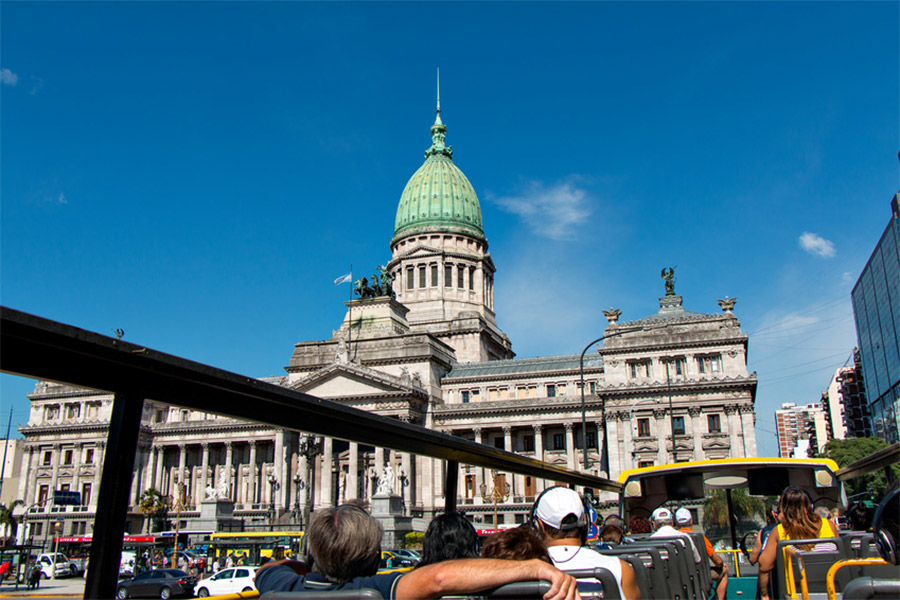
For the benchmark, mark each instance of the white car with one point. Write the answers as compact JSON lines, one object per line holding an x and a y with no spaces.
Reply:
{"x":228,"y":581}
{"x":57,"y":562}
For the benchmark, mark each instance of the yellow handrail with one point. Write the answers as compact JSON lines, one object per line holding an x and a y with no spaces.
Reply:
{"x":851,"y":562}
{"x":736,"y":553}
{"x":789,"y":585}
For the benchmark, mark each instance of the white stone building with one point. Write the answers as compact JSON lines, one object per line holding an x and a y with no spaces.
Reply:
{"x":672,"y":386}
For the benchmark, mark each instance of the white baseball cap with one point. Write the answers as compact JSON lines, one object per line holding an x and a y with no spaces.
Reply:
{"x":683,"y":516}
{"x":661,"y":514}
{"x":560,"y":508}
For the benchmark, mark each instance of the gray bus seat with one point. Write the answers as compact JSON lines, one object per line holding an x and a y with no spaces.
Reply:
{"x":816,"y":564}
{"x":867,"y":588}
{"x":654,"y":572}
{"x":360,"y":594}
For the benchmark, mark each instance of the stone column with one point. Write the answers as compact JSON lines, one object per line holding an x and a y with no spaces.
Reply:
{"x":25,"y":472}
{"x":628,"y":455}
{"x":279,"y":460}
{"x":353,"y":471}
{"x":229,"y":457}
{"x":303,"y":469}
{"x":507,"y":445}
{"x":539,"y":484}
{"x":325,"y":478}
{"x":660,"y":415}
{"x":407,"y":491}
{"x":570,"y":446}
{"x":76,"y":465}
{"x":160,"y":463}
{"x":696,"y":431}
{"x":734,"y":428}
{"x":252,"y":493}
{"x":134,"y":492}
{"x":182,"y":462}
{"x":479,"y":471}
{"x":204,"y":468}
{"x":379,"y":462}
{"x":748,"y":433}
{"x":54,"y":470}
{"x":612,"y":441}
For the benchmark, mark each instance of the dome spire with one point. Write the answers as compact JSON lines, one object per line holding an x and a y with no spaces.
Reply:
{"x":438,"y":130}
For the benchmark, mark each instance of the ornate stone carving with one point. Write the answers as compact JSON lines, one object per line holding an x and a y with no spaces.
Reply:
{"x":659,"y":413}
{"x":612,"y":315}
{"x":727,"y":304}
{"x":668,"y":274}
{"x":730,"y":409}
{"x":694,"y":411}
{"x":568,"y":427}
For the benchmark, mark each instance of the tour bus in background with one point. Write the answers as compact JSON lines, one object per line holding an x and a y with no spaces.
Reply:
{"x":250,"y":547}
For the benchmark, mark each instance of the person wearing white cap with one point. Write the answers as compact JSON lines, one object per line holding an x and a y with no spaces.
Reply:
{"x":559,"y":516}
{"x":684,"y":519}
{"x":663,"y":521}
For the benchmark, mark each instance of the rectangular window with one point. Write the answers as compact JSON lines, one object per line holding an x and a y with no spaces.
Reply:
{"x":492,"y":395}
{"x":474,"y":395}
{"x":645,"y":463}
{"x":470,"y":486}
{"x":559,"y":441}
{"x":434,"y":274}
{"x":592,"y":386}
{"x":85,"y":494}
{"x":715,"y":425}
{"x":93,"y":409}
{"x":38,"y":529}
{"x":43,"y":494}
{"x":639,"y":368}
{"x":678,"y":425}
{"x":465,"y":397}
{"x":422,"y":276}
{"x":161,"y":415}
{"x":521,"y":392}
{"x":532,"y":391}
{"x":89,"y":456}
{"x":561,"y":389}
{"x":551,"y":391}
{"x":680,"y":366}
{"x":460,"y":277}
{"x":528,"y":443}
{"x":471,"y":278}
{"x":52,"y":413}
{"x":410,"y":279}
{"x":448,"y":276}
{"x":591,"y":439}
{"x":67,"y":457}
{"x":643,"y":427}
{"x":498,"y":442}
{"x":73,"y":411}
{"x":48,"y":458}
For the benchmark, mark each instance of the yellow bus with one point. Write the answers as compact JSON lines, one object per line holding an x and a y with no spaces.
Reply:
{"x":251,"y":547}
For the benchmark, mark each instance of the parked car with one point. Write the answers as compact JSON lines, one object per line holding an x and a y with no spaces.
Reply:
{"x":190,"y":560}
{"x":390,"y":560}
{"x":229,"y":581}
{"x":56,"y":562}
{"x":126,"y":564}
{"x":407,"y":554}
{"x":159,"y":583}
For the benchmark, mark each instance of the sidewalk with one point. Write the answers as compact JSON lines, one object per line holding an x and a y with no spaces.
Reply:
{"x":70,"y":586}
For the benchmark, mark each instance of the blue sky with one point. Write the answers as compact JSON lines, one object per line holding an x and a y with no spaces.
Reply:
{"x":197,"y":174}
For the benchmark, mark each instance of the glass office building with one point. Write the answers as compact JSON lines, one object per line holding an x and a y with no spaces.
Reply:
{"x":876,"y":308}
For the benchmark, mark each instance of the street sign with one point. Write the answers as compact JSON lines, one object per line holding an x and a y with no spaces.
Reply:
{"x":66,"y":498}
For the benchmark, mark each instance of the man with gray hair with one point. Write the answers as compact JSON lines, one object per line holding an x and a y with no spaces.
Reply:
{"x":663,"y":521}
{"x":345,"y":550}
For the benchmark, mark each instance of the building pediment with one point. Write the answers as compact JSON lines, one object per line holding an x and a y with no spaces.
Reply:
{"x":345,"y":380}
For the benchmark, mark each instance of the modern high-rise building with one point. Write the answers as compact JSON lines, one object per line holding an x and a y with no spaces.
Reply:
{"x":857,"y":419}
{"x":801,"y":430}
{"x":876,"y":308}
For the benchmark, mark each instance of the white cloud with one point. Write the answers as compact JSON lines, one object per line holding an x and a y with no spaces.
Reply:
{"x":36,"y":84}
{"x":847,"y":278}
{"x":7,"y":77}
{"x":553,"y":212}
{"x":62,"y":199}
{"x":816,"y":244}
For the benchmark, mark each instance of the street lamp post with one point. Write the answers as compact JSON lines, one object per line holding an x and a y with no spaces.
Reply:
{"x":298,"y":485}
{"x":273,"y":485}
{"x":498,"y":494}
{"x":581,"y":371}
{"x":310,"y":447}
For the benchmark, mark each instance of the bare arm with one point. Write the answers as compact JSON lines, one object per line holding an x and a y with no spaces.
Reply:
{"x":629,"y":583}
{"x":718,"y":562}
{"x":767,"y":563}
{"x":476,"y":574}
{"x":753,"y":557}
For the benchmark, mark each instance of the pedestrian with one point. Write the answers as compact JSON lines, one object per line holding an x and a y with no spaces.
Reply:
{"x":36,"y":577}
{"x":4,"y":570}
{"x":28,"y":569}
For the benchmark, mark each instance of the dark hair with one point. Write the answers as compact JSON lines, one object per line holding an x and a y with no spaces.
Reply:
{"x":639,"y":524}
{"x":611,"y":534}
{"x":616,"y":521}
{"x":521,"y":543}
{"x":345,"y":542}
{"x":798,"y":516}
{"x":449,"y":536}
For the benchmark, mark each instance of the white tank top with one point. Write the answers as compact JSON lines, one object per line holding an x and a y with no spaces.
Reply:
{"x":574,"y":558}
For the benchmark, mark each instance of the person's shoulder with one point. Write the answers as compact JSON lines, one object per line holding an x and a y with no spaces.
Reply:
{"x":385,"y":583}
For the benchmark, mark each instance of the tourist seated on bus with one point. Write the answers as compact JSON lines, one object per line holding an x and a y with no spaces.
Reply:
{"x":719,"y":570}
{"x":345,"y":543}
{"x":663,"y":526}
{"x":886,"y":525}
{"x":611,"y":536}
{"x":798,"y":522}
{"x":519,"y":543}
{"x":638,"y":525}
{"x":449,"y":536}
{"x":559,"y":515}
{"x":763,"y":535}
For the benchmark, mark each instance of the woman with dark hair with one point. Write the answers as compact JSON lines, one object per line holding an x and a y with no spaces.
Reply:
{"x":798,"y":522}
{"x":521,"y":543}
{"x":449,"y":536}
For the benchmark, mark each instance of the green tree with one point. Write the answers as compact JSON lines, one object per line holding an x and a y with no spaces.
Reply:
{"x":715,"y":510}
{"x":846,"y":452}
{"x":154,"y":505}
{"x":8,"y":521}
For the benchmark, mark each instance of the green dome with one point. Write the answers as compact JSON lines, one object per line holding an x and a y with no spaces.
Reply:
{"x":438,"y":197}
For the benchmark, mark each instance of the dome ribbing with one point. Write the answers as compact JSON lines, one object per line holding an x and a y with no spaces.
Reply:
{"x":438,"y":197}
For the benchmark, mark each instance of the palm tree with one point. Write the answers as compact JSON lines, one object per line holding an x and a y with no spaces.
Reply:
{"x":8,"y":521}
{"x":715,"y":510}
{"x":153,"y":504}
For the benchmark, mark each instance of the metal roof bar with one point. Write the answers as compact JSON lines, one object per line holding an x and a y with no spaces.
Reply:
{"x":883,"y":459}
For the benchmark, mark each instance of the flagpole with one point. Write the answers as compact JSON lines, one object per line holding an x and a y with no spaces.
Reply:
{"x":350,"y":318}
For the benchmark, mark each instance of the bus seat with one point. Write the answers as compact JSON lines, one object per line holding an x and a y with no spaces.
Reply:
{"x":868,"y":549}
{"x":867,"y":588}
{"x":610,"y":587}
{"x":682,"y":558}
{"x":360,"y":594}
{"x":640,"y":574}
{"x":654,"y":568}
{"x":816,"y":564}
